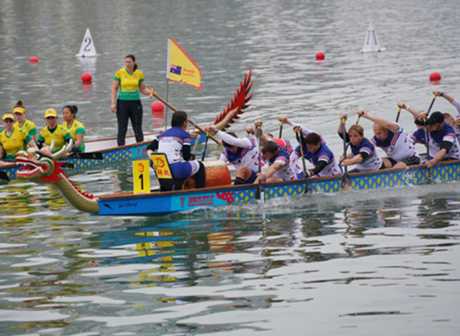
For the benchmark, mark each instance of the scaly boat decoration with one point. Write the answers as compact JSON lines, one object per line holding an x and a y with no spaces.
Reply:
{"x":105,"y":154}
{"x":219,"y":191}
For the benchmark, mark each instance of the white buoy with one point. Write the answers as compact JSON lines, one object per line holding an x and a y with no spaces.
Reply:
{"x":371,"y":43}
{"x":87,"y":48}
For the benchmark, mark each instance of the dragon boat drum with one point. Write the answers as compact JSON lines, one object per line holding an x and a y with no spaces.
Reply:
{"x":217,"y":174}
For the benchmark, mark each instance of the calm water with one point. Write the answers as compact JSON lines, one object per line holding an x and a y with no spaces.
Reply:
{"x":346,"y":264}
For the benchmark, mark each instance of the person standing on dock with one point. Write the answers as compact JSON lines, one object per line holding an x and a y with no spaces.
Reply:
{"x":392,"y":139}
{"x":127,"y":85}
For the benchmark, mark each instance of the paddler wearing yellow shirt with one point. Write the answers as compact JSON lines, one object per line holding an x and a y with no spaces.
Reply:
{"x":74,"y":127}
{"x":12,"y":139}
{"x":27,"y":126}
{"x":53,"y":133}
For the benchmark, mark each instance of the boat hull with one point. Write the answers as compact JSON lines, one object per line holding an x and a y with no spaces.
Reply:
{"x":156,"y":203}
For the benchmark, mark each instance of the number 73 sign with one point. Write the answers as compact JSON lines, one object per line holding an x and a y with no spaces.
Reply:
{"x":141,"y":176}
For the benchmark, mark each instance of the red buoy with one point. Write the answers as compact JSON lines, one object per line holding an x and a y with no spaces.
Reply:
{"x":320,"y":56}
{"x":86,"y":77}
{"x":435,"y":77}
{"x":34,"y":59}
{"x":158,"y":107}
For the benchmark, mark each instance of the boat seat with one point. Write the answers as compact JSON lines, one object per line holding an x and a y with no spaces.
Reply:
{"x":164,"y":173}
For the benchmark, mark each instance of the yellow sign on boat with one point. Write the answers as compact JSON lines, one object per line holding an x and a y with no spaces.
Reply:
{"x":141,"y":176}
{"x":161,"y":166}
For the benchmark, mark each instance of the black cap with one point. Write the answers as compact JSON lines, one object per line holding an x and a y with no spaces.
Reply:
{"x":435,"y":118}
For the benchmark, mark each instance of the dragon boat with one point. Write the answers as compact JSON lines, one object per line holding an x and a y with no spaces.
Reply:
{"x":105,"y":154}
{"x":219,"y":191}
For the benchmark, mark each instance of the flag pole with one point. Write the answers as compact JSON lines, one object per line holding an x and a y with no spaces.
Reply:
{"x":167,"y":106}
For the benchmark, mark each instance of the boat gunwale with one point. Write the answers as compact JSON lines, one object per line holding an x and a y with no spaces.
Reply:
{"x":131,"y":195}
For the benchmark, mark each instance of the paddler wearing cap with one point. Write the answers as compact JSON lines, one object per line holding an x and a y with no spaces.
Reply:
{"x":442,"y":141}
{"x":53,"y":133}
{"x":12,"y":139}
{"x":27,"y":126}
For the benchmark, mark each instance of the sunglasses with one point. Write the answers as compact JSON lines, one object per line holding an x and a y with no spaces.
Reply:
{"x":9,"y":120}
{"x":50,"y":118}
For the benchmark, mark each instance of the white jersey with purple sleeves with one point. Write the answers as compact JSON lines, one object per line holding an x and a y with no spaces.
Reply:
{"x":398,"y":146}
{"x":373,"y":161}
{"x":171,"y":142}
{"x":445,"y":134}
{"x":247,"y":154}
{"x":285,"y":173}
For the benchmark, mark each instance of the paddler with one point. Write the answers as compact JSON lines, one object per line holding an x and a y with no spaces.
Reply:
{"x":12,"y":139}
{"x":53,"y":133}
{"x":276,"y":167}
{"x":391,"y":138}
{"x":448,"y":118}
{"x":242,"y":153}
{"x":442,"y":141}
{"x":74,"y":127}
{"x":265,"y":137}
{"x":176,"y":143}
{"x":27,"y":126}
{"x":315,"y":150}
{"x":364,"y":155}
{"x":127,"y":85}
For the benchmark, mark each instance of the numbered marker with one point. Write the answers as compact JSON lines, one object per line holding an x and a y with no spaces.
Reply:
{"x":87,"y":48}
{"x":141,"y":176}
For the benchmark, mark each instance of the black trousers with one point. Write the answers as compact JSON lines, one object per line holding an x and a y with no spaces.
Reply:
{"x":129,"y":110}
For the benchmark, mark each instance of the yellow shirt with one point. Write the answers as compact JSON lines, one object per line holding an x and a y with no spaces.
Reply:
{"x":76,"y":128}
{"x":13,"y":142}
{"x":28,"y":128}
{"x":129,"y":84}
{"x":59,"y":135}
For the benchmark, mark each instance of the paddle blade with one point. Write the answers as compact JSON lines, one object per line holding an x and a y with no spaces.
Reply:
{"x":237,"y":105}
{"x":346,"y":182}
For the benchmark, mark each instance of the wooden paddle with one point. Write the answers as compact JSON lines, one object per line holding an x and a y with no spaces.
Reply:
{"x":398,"y":114}
{"x":427,"y":134}
{"x":154,"y":94}
{"x":300,"y":140}
{"x":346,"y":180}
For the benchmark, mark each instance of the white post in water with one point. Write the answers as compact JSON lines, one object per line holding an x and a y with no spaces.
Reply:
{"x":371,"y":43}
{"x":87,"y":48}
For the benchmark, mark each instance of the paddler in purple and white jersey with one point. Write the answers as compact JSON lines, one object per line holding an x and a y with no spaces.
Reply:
{"x":442,"y":141}
{"x":315,"y":150}
{"x":363,"y":153}
{"x":391,"y":138}
{"x":176,"y":143}
{"x":448,"y":118}
{"x":276,"y":167}
{"x":241,"y":153}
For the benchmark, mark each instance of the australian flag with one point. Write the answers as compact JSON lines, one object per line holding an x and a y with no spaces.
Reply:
{"x":175,"y":69}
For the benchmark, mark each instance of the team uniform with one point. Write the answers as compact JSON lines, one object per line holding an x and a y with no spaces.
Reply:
{"x":176,"y":144}
{"x":14,"y":142}
{"x":59,"y":135}
{"x":28,"y":128}
{"x":285,"y":173}
{"x":456,"y":128}
{"x":129,"y":104}
{"x":247,"y":154}
{"x":323,"y":160}
{"x":399,"y":147}
{"x":445,"y":138}
{"x":77,"y":128}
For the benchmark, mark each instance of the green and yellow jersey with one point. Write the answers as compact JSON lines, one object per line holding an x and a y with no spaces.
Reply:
{"x":13,"y":142}
{"x":129,"y":84}
{"x":28,"y":128}
{"x":59,"y":135}
{"x":77,"y":128}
